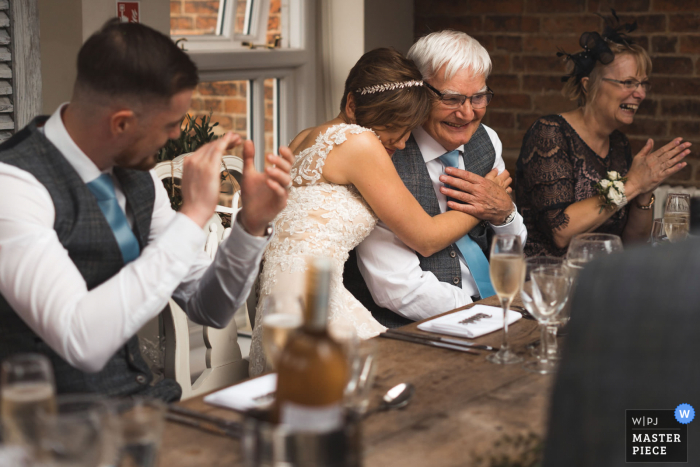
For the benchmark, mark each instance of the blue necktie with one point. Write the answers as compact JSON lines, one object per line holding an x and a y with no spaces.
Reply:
{"x":475,"y":258}
{"x":103,"y":189}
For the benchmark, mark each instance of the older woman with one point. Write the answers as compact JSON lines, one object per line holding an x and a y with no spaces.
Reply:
{"x":568,"y":162}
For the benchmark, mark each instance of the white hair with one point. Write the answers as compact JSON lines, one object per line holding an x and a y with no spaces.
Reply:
{"x":456,"y":49}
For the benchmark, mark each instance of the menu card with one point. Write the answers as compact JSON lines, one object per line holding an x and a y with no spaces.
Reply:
{"x":470,"y":323}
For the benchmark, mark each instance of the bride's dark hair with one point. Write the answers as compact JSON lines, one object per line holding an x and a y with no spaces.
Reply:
{"x":378,"y":71}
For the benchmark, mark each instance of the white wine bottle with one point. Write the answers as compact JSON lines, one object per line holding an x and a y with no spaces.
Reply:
{"x":312,"y":370}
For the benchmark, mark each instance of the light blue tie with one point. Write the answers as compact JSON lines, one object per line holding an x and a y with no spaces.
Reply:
{"x":475,"y":258}
{"x":103,"y":189}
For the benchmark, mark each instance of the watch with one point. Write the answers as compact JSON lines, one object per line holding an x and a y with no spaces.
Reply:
{"x":510,"y":217}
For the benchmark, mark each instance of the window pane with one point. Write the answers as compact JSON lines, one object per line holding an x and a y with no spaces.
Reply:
{"x":241,"y":22}
{"x":274,"y":21}
{"x":271,"y":115}
{"x":228,"y":102}
{"x":194,"y":17}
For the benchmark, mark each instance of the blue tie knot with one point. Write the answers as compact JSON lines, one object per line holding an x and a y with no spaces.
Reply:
{"x":451,"y":159}
{"x":103,"y":188}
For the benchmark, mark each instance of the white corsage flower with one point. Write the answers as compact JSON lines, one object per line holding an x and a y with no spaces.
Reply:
{"x":615,"y":196}
{"x":612,"y":191}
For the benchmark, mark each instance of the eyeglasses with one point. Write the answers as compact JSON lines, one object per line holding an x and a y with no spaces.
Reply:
{"x":631,"y":84}
{"x":477,"y":101}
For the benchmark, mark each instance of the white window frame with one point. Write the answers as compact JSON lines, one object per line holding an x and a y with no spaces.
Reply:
{"x":223,"y":58}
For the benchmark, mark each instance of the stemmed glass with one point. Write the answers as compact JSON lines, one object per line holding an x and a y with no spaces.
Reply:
{"x":550,"y":290}
{"x":282,"y":315}
{"x":549,"y":331}
{"x":658,"y":234}
{"x":507,"y":271}
{"x":677,"y":216}
{"x":586,"y":247}
{"x":75,"y":435}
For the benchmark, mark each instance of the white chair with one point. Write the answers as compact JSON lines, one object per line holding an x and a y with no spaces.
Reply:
{"x":200,"y":358}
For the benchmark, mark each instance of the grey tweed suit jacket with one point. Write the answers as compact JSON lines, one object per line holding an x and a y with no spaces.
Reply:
{"x":632,"y":344}
{"x":479,"y":157}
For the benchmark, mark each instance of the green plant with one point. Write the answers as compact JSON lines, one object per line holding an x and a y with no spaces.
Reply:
{"x":193,"y":135}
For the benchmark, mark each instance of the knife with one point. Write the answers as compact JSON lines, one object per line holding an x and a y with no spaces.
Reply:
{"x":445,"y":340}
{"x":431,"y":343}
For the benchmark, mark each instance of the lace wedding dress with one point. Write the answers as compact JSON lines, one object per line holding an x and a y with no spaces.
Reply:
{"x":321,"y":219}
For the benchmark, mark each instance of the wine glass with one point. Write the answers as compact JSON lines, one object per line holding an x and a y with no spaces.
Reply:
{"x":550,"y":290}
{"x":658,"y":234}
{"x":26,"y":387}
{"x":583,"y":249}
{"x":507,"y":271}
{"x":73,"y":435}
{"x":282,"y":315}
{"x":677,"y":216}
{"x":528,"y":302}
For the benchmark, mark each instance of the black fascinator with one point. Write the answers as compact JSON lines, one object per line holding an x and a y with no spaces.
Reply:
{"x":595,"y":47}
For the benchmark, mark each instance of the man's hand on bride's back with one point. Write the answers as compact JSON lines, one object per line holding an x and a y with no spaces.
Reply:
{"x":263,"y":194}
{"x":486,"y":198}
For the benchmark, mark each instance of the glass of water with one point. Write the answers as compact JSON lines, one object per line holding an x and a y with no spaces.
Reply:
{"x":138,"y":422}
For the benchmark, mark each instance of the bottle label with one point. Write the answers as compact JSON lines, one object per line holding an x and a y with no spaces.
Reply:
{"x":312,"y":419}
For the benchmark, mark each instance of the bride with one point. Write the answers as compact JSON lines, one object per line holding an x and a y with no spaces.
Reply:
{"x":343,"y":180}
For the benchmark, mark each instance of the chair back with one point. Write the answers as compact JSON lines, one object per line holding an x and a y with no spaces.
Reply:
{"x":202,"y":359}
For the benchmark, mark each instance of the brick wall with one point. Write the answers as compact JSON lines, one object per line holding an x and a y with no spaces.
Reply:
{"x":226,"y":99}
{"x":522,"y":37}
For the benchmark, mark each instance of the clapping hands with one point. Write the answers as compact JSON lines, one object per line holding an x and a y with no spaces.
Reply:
{"x":263,"y":195}
{"x":649,"y":169}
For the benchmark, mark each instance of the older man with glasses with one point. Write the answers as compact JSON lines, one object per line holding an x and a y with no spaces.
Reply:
{"x":453,"y":156}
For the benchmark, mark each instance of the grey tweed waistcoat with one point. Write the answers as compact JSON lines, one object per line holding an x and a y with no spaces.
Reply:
{"x":479,"y":157}
{"x":85,"y":233}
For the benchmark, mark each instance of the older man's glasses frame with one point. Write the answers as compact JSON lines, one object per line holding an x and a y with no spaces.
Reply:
{"x":477,"y":101}
{"x":631,"y":84}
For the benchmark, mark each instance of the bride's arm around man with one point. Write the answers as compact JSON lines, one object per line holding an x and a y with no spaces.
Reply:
{"x":451,"y":148}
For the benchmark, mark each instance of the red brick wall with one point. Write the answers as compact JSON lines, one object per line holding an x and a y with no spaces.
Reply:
{"x":522,"y":37}
{"x":226,"y":99}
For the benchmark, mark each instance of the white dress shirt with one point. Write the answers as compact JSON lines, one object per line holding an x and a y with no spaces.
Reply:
{"x":392,"y":270}
{"x":43,"y":285}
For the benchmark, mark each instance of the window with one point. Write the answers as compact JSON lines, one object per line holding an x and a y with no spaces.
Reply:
{"x":264,"y":94}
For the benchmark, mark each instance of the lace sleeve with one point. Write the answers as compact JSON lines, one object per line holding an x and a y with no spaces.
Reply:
{"x":548,"y":176}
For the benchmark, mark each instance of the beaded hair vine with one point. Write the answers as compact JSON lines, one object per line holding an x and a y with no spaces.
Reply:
{"x":595,"y":47}
{"x":389,"y":87}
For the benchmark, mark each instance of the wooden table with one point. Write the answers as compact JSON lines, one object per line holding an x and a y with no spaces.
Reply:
{"x":464,"y":409}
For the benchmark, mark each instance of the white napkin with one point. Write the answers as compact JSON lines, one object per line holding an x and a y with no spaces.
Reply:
{"x":450,"y":324}
{"x":246,"y":395}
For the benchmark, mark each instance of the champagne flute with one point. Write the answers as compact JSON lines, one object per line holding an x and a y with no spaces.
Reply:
{"x":282,"y":315}
{"x":26,"y":387}
{"x":550,"y":331}
{"x":550,"y":290}
{"x":507,"y":271}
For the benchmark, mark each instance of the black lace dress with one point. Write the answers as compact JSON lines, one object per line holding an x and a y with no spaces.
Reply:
{"x":556,"y":168}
